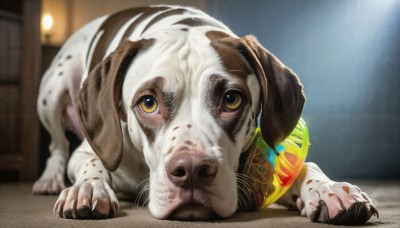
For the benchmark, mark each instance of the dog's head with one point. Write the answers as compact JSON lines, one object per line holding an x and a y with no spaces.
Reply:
{"x":190,"y":101}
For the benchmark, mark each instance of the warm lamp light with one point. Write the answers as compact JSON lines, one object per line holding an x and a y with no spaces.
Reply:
{"x":47,"y":25}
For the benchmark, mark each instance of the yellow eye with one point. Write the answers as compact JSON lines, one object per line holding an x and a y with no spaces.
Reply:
{"x":232,"y":101}
{"x":149,"y":104}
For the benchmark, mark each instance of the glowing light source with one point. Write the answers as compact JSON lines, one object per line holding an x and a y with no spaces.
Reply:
{"x":47,"y":23}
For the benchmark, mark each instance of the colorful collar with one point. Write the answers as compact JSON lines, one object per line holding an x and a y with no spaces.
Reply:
{"x":272,"y":173}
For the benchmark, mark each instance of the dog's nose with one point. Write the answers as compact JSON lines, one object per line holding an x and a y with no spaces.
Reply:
{"x":188,"y":171}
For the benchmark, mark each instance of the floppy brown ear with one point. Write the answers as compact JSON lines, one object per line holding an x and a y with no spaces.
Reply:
{"x":282,"y":97}
{"x":98,"y":103}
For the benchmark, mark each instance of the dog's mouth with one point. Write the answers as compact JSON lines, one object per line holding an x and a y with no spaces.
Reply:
{"x":193,"y":210}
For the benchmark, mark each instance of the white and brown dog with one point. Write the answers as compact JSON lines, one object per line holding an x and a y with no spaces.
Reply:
{"x":169,"y":96}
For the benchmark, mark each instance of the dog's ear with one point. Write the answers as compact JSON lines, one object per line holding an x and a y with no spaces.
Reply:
{"x":282,"y":97}
{"x":99,"y":103}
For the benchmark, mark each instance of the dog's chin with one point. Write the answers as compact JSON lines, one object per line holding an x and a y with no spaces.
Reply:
{"x":193,"y":211}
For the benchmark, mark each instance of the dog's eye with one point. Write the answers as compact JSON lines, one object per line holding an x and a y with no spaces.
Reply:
{"x":148,"y":104}
{"x":232,"y":100}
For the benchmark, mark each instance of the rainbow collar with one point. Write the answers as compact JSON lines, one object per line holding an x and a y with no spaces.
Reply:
{"x":273,"y":172}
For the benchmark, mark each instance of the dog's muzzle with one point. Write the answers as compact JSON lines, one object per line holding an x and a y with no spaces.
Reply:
{"x":192,"y":174}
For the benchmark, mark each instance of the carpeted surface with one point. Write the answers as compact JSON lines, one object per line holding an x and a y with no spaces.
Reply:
{"x":20,"y":208}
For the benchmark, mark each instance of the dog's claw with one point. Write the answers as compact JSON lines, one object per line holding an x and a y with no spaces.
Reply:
{"x":95,"y":204}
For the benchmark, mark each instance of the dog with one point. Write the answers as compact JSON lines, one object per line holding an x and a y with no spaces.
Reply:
{"x":164,"y":98}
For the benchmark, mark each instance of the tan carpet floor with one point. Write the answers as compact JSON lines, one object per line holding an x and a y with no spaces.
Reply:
{"x":20,"y":208}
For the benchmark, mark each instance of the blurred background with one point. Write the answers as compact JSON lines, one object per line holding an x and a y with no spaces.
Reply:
{"x":346,"y":52}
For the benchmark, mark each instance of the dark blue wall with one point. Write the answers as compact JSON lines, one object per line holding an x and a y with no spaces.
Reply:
{"x":347,"y":54}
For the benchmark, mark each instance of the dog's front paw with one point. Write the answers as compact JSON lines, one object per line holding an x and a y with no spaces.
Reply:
{"x":50,"y":183}
{"x":87,"y":200}
{"x":338,"y":203}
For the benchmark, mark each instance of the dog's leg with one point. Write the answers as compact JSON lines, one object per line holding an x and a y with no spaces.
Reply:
{"x":91,"y":196}
{"x":327,"y":201}
{"x":50,"y":109}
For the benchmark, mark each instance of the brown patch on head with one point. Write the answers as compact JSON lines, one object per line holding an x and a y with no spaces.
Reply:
{"x":189,"y":126}
{"x":194,"y":22}
{"x":109,"y":29}
{"x":175,"y":128}
{"x":173,"y":138}
{"x":96,"y":178}
{"x":93,"y":164}
{"x":100,"y":171}
{"x":282,"y":96}
{"x":346,"y":189}
{"x":162,"y":16}
{"x":309,"y":182}
{"x":100,"y":94}
{"x":227,"y":48}
{"x":331,"y":194}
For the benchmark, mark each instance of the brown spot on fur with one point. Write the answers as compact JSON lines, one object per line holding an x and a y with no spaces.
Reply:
{"x":93,"y":164}
{"x":60,"y":74}
{"x":68,"y":57}
{"x":85,"y":179}
{"x":85,"y":172}
{"x":100,"y":171}
{"x":331,"y":194}
{"x":94,"y":159}
{"x":346,"y":189}
{"x":309,"y":182}
{"x":311,"y":204}
{"x":310,"y":189}
{"x":170,"y":150}
{"x":189,"y":126}
{"x":173,"y":138}
{"x":175,"y":128}
{"x":96,"y":178}
{"x":44,"y":102}
{"x":188,"y":142}
{"x":323,"y":192}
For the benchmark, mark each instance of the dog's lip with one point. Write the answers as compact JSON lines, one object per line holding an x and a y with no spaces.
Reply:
{"x":192,"y":208}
